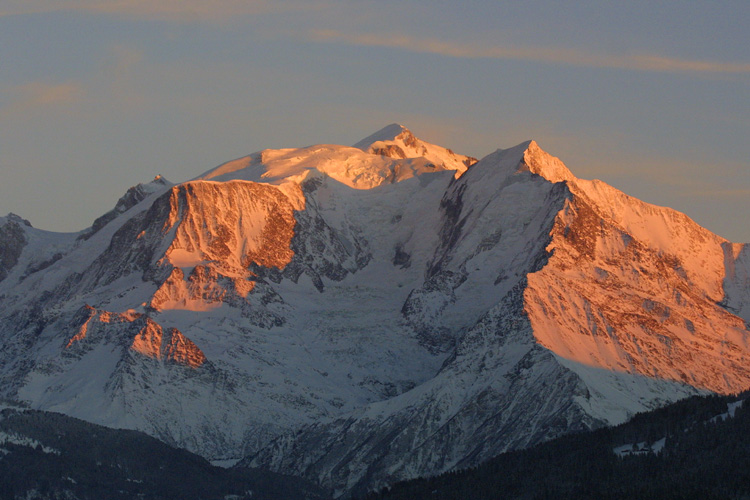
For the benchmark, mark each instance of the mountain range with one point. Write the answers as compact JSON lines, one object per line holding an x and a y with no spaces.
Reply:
{"x":360,"y":315}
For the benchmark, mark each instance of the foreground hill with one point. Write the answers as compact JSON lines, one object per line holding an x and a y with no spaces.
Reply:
{"x":695,"y":449}
{"x":47,"y":455}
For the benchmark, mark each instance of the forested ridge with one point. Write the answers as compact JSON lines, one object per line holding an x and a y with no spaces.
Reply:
{"x":703,"y":457}
{"x":46,"y":455}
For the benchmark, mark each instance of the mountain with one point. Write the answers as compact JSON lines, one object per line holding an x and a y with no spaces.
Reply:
{"x":359,"y":315}
{"x":48,"y":455}
{"x":577,"y":306}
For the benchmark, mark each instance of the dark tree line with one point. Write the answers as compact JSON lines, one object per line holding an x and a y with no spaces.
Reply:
{"x":702,"y":459}
{"x":95,"y":462}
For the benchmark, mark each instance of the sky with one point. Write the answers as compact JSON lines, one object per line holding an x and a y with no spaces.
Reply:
{"x":652,"y":97}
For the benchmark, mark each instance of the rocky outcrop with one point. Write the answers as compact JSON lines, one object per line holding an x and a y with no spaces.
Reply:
{"x":131,"y":198}
{"x":12,"y":240}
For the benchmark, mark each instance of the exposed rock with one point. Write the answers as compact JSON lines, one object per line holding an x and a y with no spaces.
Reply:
{"x":12,"y":240}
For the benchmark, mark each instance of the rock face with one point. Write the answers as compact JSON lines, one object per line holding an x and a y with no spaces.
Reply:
{"x":358,"y":315}
{"x":12,"y":241}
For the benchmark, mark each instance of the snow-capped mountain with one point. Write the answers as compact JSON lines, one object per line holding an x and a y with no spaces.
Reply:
{"x":356,"y":315}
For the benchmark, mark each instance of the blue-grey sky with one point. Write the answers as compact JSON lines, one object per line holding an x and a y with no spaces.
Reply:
{"x":651,"y":97}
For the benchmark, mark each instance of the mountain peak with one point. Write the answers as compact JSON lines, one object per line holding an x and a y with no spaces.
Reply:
{"x":397,"y":141}
{"x":386,"y":134}
{"x":538,"y":161}
{"x":17,"y":218}
{"x":524,"y":157}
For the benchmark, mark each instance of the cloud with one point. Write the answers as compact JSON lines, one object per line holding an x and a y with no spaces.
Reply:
{"x":719,"y":193}
{"x":169,"y":10}
{"x":115,"y":81}
{"x":552,"y":55}
{"x":43,"y":95}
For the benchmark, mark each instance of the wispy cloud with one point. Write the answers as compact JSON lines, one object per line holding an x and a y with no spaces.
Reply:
{"x":113,"y":82}
{"x":170,"y":10}
{"x":719,"y":193}
{"x":43,"y":95}
{"x":552,"y":55}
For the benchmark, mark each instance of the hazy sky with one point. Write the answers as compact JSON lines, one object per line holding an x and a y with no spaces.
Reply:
{"x":651,"y":97}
